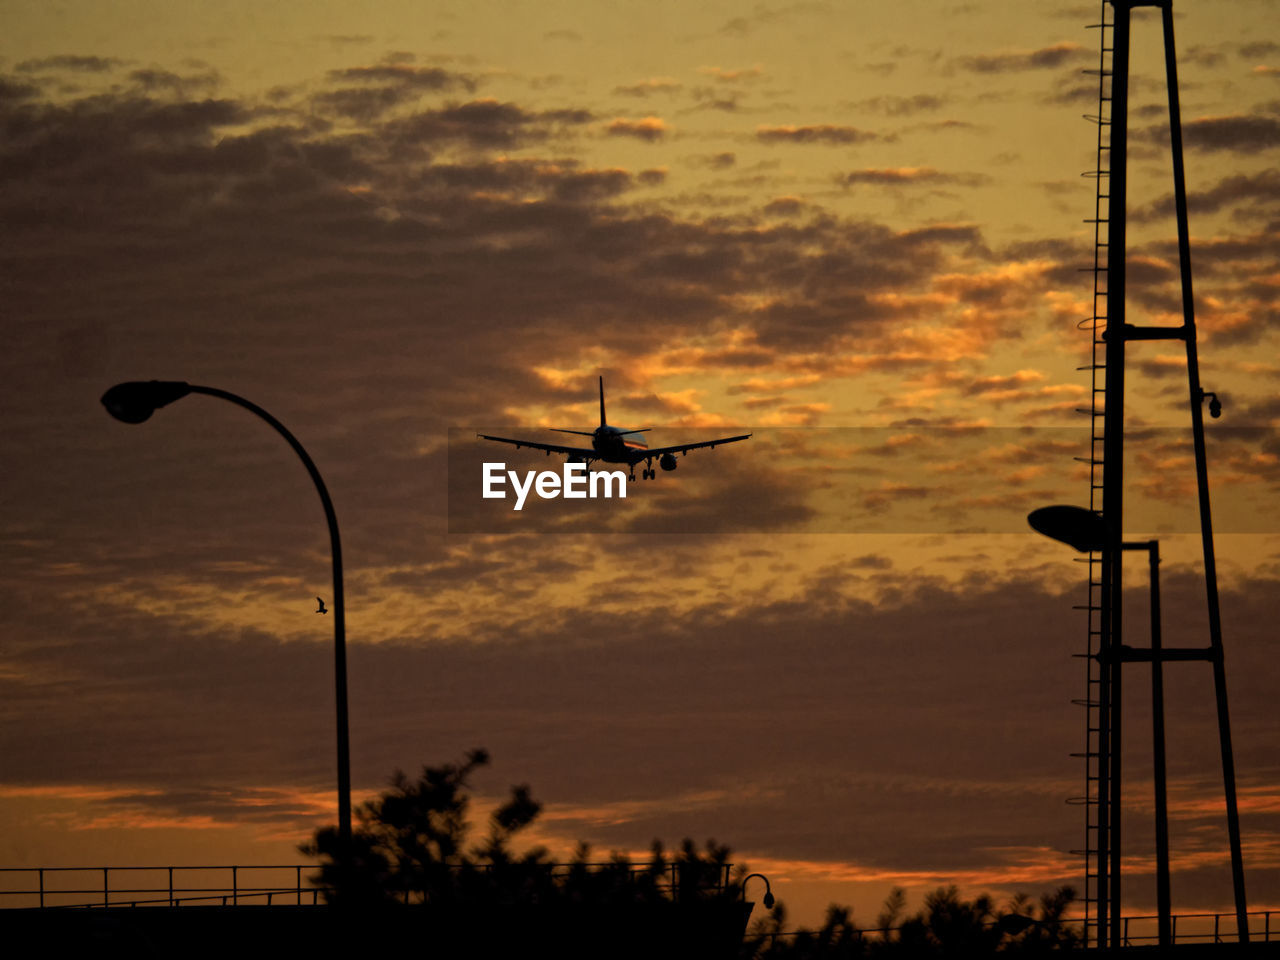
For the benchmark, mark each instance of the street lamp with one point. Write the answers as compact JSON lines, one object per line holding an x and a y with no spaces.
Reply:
{"x":1075,"y":526}
{"x":1087,"y":532}
{"x":134,"y":402}
{"x":768,"y":889}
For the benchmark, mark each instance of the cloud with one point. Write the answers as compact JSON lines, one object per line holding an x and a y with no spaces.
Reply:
{"x":904,"y":176}
{"x":717,"y":161}
{"x":483,"y":124}
{"x":1204,"y":55}
{"x":384,"y":218}
{"x":521,"y":179}
{"x":723,"y":75}
{"x":1074,"y":91}
{"x":231,"y":687}
{"x":349,"y":39}
{"x":78,"y":64}
{"x":995,"y":384}
{"x":17,"y":90}
{"x":899,"y":106}
{"x":162,"y":81}
{"x":1258,"y":48}
{"x":418,"y":78}
{"x":1017,"y":61}
{"x":1236,"y":133}
{"x":374,"y":90}
{"x":1252,"y":194}
{"x":649,"y":86}
{"x":650,"y":129}
{"x":710,"y":98}
{"x":1240,"y":133}
{"x":818,"y":133}
{"x":763,"y":16}
{"x":786,"y":206}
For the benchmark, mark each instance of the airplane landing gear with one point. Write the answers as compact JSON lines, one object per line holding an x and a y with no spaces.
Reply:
{"x":649,"y":474}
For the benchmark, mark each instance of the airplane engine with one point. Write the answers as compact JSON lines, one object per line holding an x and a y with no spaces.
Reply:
{"x":667,"y":461}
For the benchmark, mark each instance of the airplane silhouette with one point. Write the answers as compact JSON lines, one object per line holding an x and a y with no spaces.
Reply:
{"x":616,"y":445}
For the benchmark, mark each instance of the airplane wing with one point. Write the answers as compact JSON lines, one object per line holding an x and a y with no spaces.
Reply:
{"x":683,"y":448}
{"x":586,"y":453}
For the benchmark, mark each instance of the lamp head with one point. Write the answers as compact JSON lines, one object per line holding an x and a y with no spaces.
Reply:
{"x":768,"y":900}
{"x":135,"y":401}
{"x":1075,"y":526}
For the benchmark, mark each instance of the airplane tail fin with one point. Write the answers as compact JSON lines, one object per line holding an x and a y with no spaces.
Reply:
{"x":602,"y":401}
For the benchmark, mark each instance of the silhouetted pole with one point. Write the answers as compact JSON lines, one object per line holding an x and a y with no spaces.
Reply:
{"x":1202,"y":478}
{"x":134,"y":402}
{"x":1164,"y":906}
{"x":1109,"y":691}
{"x":1164,"y":922}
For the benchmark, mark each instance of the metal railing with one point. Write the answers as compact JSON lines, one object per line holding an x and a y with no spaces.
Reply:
{"x":1135,"y":931}
{"x":1201,"y":928}
{"x":274,"y":884}
{"x":156,"y":886}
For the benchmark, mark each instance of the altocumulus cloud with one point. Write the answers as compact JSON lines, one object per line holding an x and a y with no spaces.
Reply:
{"x":650,"y":129}
{"x":823,"y":133}
{"x":1016,"y":61}
{"x":904,"y":176}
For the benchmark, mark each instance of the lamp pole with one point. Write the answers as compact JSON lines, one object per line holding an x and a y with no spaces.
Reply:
{"x":1163,"y":900}
{"x":134,"y":402}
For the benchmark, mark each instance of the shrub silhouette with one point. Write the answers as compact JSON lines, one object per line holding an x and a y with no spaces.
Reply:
{"x":411,"y":845}
{"x":946,"y":926}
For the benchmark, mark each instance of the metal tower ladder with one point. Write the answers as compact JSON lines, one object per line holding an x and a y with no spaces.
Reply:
{"x":1096,"y":701}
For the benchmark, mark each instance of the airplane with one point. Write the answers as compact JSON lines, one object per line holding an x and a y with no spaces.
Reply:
{"x":615,"y":445}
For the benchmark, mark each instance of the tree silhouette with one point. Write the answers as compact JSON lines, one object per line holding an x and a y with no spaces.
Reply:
{"x":946,"y":926}
{"x":411,"y":845}
{"x":415,"y":878}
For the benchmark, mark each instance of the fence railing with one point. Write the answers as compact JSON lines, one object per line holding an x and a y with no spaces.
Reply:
{"x":156,"y":886}
{"x":270,"y":885}
{"x":1135,"y":931}
{"x":290,"y":884}
{"x":1201,"y":928}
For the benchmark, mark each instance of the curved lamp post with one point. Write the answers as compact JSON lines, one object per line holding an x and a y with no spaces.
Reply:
{"x":134,"y":402}
{"x":768,"y":889}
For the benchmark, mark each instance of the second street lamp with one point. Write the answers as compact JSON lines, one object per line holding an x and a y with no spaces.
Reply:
{"x":1086,"y":531}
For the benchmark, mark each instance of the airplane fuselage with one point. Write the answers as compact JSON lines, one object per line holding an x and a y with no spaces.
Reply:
{"x":615,"y":445}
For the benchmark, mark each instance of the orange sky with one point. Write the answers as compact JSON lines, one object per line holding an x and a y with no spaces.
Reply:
{"x":852,"y":229}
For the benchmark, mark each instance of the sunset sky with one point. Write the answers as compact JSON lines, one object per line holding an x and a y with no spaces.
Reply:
{"x":853,"y":229}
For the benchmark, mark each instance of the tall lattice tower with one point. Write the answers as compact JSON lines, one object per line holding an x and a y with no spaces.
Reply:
{"x":1105,"y":652}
